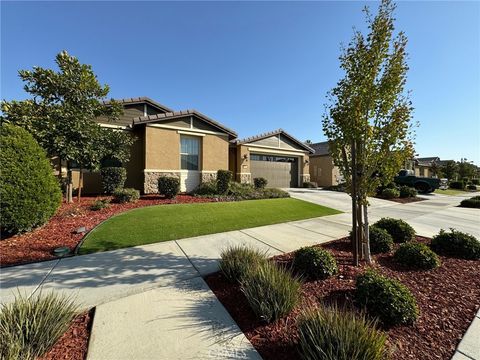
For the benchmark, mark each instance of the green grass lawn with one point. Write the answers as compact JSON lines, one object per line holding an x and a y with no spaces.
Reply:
{"x":169,"y":222}
{"x":454,"y":192}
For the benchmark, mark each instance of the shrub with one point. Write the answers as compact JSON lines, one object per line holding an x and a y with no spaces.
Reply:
{"x":236,"y":261}
{"x":398,"y":229}
{"x":310,"y":185}
{"x":29,"y":192}
{"x":169,"y":186}
{"x":260,"y":183}
{"x":126,"y":195}
{"x":457,"y":244}
{"x":271,"y":291}
{"x":388,"y":299}
{"x":457,"y":185}
{"x":416,"y":255}
{"x":475,"y":182}
{"x":100,"y":204}
{"x":339,"y":334}
{"x":390,"y":193}
{"x":223,"y":180}
{"x":274,"y":193}
{"x":30,"y":326}
{"x":380,"y":240}
{"x":471,"y":187}
{"x":243,"y":191}
{"x":113,"y":178}
{"x":407,"y":191}
{"x":207,"y":188}
{"x":470,"y":203}
{"x":315,"y":263}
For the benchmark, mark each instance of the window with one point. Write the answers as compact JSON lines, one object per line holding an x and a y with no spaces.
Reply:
{"x":189,"y":152}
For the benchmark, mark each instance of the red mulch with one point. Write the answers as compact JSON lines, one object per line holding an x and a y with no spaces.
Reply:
{"x":448,"y":298}
{"x":38,"y":245}
{"x":407,"y":200}
{"x":73,"y":345}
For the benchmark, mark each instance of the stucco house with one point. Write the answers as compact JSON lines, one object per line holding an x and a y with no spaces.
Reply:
{"x":322,"y":169}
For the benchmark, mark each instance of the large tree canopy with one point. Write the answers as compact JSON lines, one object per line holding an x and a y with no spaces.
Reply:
{"x":60,"y":114}
{"x":368,"y":117}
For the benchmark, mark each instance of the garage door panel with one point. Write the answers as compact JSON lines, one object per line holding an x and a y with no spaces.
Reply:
{"x":278,"y":173}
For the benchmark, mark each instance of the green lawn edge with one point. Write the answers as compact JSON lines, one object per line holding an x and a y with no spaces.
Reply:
{"x":159,"y":223}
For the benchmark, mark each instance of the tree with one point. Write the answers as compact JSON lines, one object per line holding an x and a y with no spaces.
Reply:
{"x":60,"y":114}
{"x":466,"y":169}
{"x":450,"y":169}
{"x":435,"y":169}
{"x":368,"y":117}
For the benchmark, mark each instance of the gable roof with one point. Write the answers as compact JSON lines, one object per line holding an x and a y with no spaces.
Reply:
{"x":140,"y":100}
{"x":274,"y":133}
{"x":321,"y":148}
{"x":157,"y":118}
{"x":427,"y":161}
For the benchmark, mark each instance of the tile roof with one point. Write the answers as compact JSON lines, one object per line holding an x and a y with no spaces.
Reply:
{"x":140,"y":100}
{"x":178,"y":114}
{"x":273,"y":133}
{"x":321,"y":148}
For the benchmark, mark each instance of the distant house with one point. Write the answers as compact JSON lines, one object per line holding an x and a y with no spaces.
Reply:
{"x":424,"y":166}
{"x":322,"y":169}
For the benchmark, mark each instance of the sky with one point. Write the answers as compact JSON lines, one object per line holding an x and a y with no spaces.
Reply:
{"x":255,"y":66}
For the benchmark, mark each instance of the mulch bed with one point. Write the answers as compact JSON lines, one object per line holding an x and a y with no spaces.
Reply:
{"x":39,"y":244}
{"x":73,"y":345}
{"x":448,"y":298}
{"x":406,"y":200}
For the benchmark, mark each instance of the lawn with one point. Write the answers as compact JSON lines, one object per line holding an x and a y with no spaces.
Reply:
{"x":453,"y":192}
{"x":169,"y":222}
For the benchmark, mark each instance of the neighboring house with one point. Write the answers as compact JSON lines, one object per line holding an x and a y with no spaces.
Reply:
{"x":423,"y":166}
{"x":276,"y":156}
{"x":186,"y":144}
{"x":322,"y":169}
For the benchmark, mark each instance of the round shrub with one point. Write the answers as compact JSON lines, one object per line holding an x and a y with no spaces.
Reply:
{"x":399,"y":230}
{"x":29,"y":191}
{"x":223,"y":180}
{"x":271,"y":291}
{"x":390,"y":193}
{"x":470,"y":203}
{"x":274,"y":193}
{"x":385,"y":298}
{"x":100,"y":204}
{"x":457,"y":244}
{"x":407,"y":191}
{"x":207,"y":188}
{"x":260,"y":183}
{"x":380,"y":240}
{"x":459,"y":185}
{"x":113,"y":178}
{"x":416,"y":255}
{"x":315,"y":263}
{"x":236,"y":261}
{"x":126,"y":195}
{"x":340,"y":334}
{"x":169,"y":186}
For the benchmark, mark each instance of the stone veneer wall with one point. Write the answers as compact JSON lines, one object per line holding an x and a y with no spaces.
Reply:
{"x":304,"y":178}
{"x":244,"y":178}
{"x":150,"y":184}
{"x":208,"y":176}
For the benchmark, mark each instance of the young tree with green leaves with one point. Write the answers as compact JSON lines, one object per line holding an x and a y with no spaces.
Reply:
{"x":450,"y":169}
{"x":60,"y":114}
{"x":368,"y":117}
{"x":435,"y":169}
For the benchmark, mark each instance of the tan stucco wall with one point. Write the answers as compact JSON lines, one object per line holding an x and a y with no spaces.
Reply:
{"x":323,"y":171}
{"x":214,"y":153}
{"x":243,"y":165}
{"x":162,"y":149}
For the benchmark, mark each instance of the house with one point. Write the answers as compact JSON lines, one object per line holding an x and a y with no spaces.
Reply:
{"x":425,"y":166}
{"x":276,"y":156}
{"x":191,"y":146}
{"x":322,"y":169}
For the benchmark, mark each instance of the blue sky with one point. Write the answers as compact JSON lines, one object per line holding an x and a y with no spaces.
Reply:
{"x":254,"y":66}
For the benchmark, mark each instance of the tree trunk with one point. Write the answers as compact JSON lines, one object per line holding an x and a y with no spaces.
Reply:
{"x":354,"y":206}
{"x":69,"y":186}
{"x":80,"y":185}
{"x":368,"y":256}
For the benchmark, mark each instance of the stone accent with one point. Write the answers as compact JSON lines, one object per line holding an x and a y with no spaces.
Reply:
{"x":245,"y":178}
{"x":208,"y":176}
{"x":305,"y":178}
{"x":150,"y":184}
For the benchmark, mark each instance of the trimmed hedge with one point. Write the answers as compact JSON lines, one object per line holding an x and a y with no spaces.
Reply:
{"x":223,"y":180}
{"x":459,"y":185}
{"x":457,"y":244}
{"x":407,"y":191}
{"x":274,"y":193}
{"x":207,"y":188}
{"x":473,"y":202}
{"x":169,"y":186}
{"x":29,"y":191}
{"x":416,"y":255}
{"x":380,"y":240}
{"x":399,"y":230}
{"x":339,"y":334}
{"x":126,"y":195}
{"x":113,"y":178}
{"x":315,"y":263}
{"x":390,"y":193}
{"x":260,"y":183}
{"x":385,"y":298}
